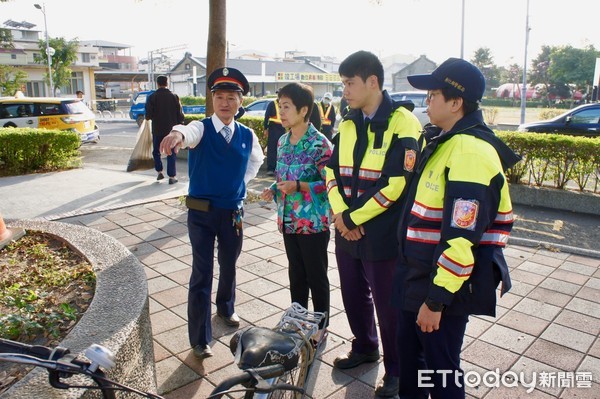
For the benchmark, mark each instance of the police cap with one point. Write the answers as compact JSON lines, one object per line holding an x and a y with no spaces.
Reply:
{"x":228,"y":79}
{"x":464,"y":78}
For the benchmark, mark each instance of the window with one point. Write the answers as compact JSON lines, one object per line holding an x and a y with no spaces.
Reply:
{"x":35,"y":89}
{"x":187,"y":67}
{"x":13,"y":56}
{"x":85,"y":57}
{"x":588,"y":116}
{"x":75,"y":83}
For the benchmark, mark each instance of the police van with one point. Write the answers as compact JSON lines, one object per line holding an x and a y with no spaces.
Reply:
{"x":50,"y":113}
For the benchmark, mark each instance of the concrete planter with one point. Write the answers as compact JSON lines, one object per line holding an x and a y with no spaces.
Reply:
{"x":117,"y":318}
{"x":574,"y":201}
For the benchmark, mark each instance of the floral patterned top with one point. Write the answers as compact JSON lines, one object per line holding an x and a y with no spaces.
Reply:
{"x":304,"y":212}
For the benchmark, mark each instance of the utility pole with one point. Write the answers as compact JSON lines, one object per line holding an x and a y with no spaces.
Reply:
{"x":151,"y":60}
{"x":49,"y":50}
{"x":524,"y":87}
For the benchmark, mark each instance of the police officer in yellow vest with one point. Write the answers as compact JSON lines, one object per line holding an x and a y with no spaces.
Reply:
{"x":327,"y":114}
{"x":456,"y":220}
{"x":374,"y":156}
{"x":273,"y":130}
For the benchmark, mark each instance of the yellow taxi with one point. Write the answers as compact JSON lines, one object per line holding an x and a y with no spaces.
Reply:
{"x":50,"y":113}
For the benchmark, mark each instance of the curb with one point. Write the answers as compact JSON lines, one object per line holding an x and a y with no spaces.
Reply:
{"x":526,"y":242}
{"x":554,"y":198}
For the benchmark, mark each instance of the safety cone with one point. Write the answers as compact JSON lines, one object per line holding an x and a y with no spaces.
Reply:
{"x":8,"y":235}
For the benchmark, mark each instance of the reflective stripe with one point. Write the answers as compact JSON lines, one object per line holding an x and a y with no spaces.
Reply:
{"x":331,"y":184}
{"x":346,"y":170}
{"x":504,"y":217}
{"x":426,"y":213}
{"x":347,"y":191}
{"x":276,"y":118}
{"x":368,"y":174}
{"x":494,"y":237}
{"x":429,"y":236}
{"x":382,"y":200}
{"x":455,"y":268}
{"x":325,"y":117}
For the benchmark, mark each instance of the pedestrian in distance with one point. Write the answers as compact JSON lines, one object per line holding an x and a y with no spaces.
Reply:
{"x":224,"y":156}
{"x":327,"y":114}
{"x":373,"y":158}
{"x":303,"y":210}
{"x":164,"y":109}
{"x":457,"y":218}
{"x":273,"y":131}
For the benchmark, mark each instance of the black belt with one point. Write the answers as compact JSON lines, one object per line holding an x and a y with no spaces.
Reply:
{"x":197,"y":204}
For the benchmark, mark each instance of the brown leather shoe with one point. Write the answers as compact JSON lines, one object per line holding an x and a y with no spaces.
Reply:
{"x":353,"y":359}
{"x":231,"y":321}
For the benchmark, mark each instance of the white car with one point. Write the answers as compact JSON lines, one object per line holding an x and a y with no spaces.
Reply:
{"x":257,"y":108}
{"x":418,"y":98}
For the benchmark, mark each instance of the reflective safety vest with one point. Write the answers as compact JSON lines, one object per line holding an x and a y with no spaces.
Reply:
{"x":367,"y":174}
{"x":457,"y":218}
{"x":276,"y":118}
{"x":325,"y":121}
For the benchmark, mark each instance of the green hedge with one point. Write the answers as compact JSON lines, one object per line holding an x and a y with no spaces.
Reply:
{"x":26,"y":150}
{"x":554,"y":158}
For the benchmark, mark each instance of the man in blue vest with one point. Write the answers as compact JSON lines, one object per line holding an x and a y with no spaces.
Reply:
{"x":224,"y":155}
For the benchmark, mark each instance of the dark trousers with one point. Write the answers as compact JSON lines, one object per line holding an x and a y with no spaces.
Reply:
{"x":275,"y":132}
{"x":439,"y":350}
{"x":203,"y":228}
{"x":171,"y":159}
{"x":307,"y":257}
{"x":366,"y":289}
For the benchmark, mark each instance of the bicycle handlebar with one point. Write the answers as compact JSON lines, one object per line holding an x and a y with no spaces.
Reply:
{"x":61,"y":364}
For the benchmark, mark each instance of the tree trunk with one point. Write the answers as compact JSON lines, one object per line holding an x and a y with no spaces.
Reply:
{"x":217,"y":43}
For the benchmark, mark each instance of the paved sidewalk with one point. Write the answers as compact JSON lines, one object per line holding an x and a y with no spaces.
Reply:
{"x":548,"y":323}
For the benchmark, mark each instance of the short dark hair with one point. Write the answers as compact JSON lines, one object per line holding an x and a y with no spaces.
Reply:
{"x":78,"y":92}
{"x":450,"y":93}
{"x":301,"y":95}
{"x":363,"y":64}
{"x":161,"y":80}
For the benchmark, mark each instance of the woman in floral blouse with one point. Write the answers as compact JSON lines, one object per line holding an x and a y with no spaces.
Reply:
{"x":303,"y":212}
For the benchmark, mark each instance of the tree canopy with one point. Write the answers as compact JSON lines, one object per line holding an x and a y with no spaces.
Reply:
{"x":65,"y":54}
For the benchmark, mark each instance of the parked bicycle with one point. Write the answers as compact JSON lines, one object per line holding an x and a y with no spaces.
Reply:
{"x":275,"y":363}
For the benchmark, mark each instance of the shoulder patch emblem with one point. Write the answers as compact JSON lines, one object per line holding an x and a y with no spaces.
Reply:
{"x":464,"y":213}
{"x":410,"y":158}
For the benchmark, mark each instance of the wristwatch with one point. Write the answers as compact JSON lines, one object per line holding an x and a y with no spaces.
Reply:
{"x":434,"y":306}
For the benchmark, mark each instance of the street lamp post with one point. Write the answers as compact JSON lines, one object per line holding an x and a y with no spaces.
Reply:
{"x":49,"y":53}
{"x":524,"y":85}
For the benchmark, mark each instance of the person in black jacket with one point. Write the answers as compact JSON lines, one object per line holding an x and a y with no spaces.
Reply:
{"x":273,"y":130}
{"x":164,"y":110}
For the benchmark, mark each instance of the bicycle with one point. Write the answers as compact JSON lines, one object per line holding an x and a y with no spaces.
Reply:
{"x":275,"y":362}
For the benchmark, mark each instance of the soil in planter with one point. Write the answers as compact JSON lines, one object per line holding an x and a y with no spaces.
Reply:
{"x":45,"y":288}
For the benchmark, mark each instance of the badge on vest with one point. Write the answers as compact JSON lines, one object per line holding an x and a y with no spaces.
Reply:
{"x":464,"y":213}
{"x":410,"y":158}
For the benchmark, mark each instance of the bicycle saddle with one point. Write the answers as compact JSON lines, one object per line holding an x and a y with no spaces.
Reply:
{"x":258,"y":346}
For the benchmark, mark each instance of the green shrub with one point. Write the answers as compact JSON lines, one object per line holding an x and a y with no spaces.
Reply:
{"x":26,"y":150}
{"x":553,"y":157}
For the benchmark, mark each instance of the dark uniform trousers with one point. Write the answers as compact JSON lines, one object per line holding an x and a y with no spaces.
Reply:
{"x":434,"y":352}
{"x":275,"y":131}
{"x":171,"y":159}
{"x":367,"y":288}
{"x":203,"y":228}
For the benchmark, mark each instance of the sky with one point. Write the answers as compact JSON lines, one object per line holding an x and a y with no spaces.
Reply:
{"x":324,"y":27}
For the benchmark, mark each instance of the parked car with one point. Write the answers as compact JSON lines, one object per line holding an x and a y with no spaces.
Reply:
{"x":137,"y":111}
{"x":583,"y":120}
{"x":257,"y":108}
{"x":418,"y":98}
{"x":50,"y":113}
